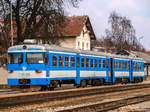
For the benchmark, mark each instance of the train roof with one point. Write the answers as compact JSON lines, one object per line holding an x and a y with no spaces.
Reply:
{"x":55,"y":48}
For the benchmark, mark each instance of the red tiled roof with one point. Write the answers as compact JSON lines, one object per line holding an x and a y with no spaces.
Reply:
{"x":73,"y":26}
{"x":148,"y":52}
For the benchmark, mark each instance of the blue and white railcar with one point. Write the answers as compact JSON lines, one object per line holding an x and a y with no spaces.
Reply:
{"x":46,"y":67}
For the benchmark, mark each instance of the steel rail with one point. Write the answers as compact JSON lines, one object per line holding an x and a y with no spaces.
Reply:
{"x":32,"y":98}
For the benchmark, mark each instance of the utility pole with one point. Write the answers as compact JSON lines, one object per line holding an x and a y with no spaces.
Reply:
{"x":11,"y":21}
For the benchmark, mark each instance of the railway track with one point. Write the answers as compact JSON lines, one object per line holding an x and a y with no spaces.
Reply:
{"x":39,"y":97}
{"x":106,"y":106}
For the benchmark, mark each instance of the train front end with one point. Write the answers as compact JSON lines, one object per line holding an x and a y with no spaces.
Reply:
{"x":26,"y":67}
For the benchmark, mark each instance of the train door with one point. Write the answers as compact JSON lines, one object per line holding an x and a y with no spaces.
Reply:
{"x":78,"y":70}
{"x":47,"y":65}
{"x":131,"y":70}
{"x":111,"y":69}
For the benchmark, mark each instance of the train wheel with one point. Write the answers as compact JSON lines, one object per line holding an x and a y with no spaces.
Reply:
{"x":43,"y":88}
{"x":83,"y":83}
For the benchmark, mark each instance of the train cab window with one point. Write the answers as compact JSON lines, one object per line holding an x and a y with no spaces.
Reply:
{"x":87,"y":62}
{"x":78,"y":62}
{"x":92,"y":61}
{"x":35,"y":58}
{"x":54,"y":61}
{"x":72,"y":62}
{"x":82,"y":62}
{"x":104,"y":63}
{"x":15,"y":58}
{"x":66,"y":61}
{"x":96,"y":63}
{"x":100,"y":63}
{"x":61,"y":61}
{"x":116,"y":64}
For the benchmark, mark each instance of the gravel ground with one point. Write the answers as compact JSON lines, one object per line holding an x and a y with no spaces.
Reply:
{"x":75,"y":102}
{"x":3,"y":76}
{"x":140,"y":107}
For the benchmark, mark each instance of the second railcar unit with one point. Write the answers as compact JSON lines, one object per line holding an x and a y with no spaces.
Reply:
{"x":47,"y":66}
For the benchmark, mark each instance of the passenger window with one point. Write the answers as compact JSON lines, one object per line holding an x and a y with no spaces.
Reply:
{"x":100,"y":63}
{"x":61,"y":61}
{"x":87,"y":62}
{"x":78,"y":61}
{"x":54,"y":61}
{"x":123,"y":65}
{"x":96,"y":63}
{"x":104,"y":63}
{"x":126,"y":65}
{"x":82,"y":61}
{"x":72,"y":62}
{"x":136,"y":66}
{"x":92,"y":63}
{"x":120,"y":64}
{"x":107,"y":63}
{"x":66,"y":61}
{"x":114,"y":64}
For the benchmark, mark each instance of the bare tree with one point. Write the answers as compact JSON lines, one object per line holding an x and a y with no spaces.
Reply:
{"x":122,"y":34}
{"x":30,"y":15}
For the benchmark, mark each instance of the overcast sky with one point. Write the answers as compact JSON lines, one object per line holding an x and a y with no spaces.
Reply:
{"x":138,"y":11}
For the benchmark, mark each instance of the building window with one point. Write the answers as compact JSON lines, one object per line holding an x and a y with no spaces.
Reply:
{"x":78,"y":44}
{"x":82,"y":45}
{"x":87,"y":45}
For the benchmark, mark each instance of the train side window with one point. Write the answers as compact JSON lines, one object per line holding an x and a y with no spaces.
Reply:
{"x":61,"y":61}
{"x":92,"y":63}
{"x":123,"y":67}
{"x":78,"y":61}
{"x":66,"y":61}
{"x":54,"y":61}
{"x":126,"y":65}
{"x":104,"y":64}
{"x":114,"y":64}
{"x":120,"y":64}
{"x":87,"y":62}
{"x":96,"y":63}
{"x":100,"y":63}
{"x":107,"y":63}
{"x":72,"y":62}
{"x":140,"y":66}
{"x":82,"y":62}
{"x":136,"y":66}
